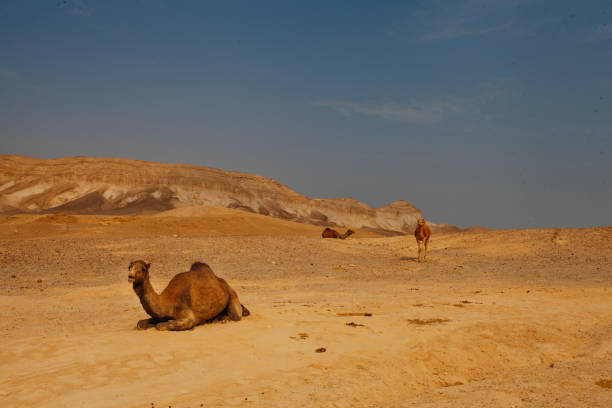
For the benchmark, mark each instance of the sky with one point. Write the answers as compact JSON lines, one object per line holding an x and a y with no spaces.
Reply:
{"x":495,"y":113}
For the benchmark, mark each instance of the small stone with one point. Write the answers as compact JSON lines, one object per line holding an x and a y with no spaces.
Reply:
{"x":321,"y":350}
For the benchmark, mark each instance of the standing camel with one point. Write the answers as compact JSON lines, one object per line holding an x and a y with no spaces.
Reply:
{"x":422,"y":234}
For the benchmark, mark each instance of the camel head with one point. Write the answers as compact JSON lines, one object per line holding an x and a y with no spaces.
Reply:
{"x":349,"y":232}
{"x":138,"y":271}
{"x":421,"y":221}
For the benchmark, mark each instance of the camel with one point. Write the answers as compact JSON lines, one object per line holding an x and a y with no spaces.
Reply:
{"x":330,"y":233}
{"x":191,"y":298}
{"x":422,"y":234}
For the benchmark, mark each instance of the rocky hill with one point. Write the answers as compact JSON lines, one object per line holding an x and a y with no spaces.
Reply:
{"x":84,"y":185}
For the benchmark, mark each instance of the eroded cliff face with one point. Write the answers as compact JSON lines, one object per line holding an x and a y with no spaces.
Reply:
{"x":94,"y":185}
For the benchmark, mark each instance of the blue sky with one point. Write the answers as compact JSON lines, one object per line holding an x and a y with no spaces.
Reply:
{"x":496,"y":113}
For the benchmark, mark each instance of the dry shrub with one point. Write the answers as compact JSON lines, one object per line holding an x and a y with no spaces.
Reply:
{"x":423,"y":322}
{"x":604,"y":383}
{"x":58,"y":218}
{"x":455,"y":384}
{"x":355,"y":314}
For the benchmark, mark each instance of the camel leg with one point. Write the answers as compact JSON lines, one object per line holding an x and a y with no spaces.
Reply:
{"x":419,"y":255}
{"x":234,"y":308}
{"x":425,"y":245}
{"x":224,"y":315}
{"x":221,"y":317}
{"x":177,"y":325}
{"x":147,"y":323}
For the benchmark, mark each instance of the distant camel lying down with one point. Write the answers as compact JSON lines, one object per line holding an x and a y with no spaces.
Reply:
{"x":191,"y":298}
{"x":422,"y":234}
{"x":330,"y":233}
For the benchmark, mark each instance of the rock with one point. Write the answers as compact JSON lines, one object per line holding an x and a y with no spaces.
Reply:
{"x":84,"y":185}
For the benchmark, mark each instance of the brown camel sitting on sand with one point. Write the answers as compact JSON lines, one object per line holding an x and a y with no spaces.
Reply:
{"x":330,"y":233}
{"x":190,"y":298}
{"x":422,"y":234}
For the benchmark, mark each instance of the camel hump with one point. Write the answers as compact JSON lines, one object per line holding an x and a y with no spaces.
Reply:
{"x":198,"y":266}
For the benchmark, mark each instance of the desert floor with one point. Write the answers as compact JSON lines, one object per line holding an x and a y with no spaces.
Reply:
{"x":492,"y":319}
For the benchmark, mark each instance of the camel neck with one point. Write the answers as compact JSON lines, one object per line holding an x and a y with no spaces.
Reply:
{"x":150,"y":300}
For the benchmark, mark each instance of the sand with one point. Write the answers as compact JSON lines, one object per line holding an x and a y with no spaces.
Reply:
{"x":494,"y":318}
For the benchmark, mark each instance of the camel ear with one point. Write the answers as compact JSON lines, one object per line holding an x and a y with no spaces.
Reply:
{"x":148,"y":265}
{"x":131,"y":263}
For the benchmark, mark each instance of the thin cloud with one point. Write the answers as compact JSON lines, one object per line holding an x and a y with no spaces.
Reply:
{"x":444,"y":21}
{"x":78,"y":8}
{"x":8,"y":74}
{"x":410,"y":113}
{"x":441,"y":21}
{"x":17,"y":79}
{"x":458,"y":32}
{"x":603,"y":31}
{"x":484,"y":99}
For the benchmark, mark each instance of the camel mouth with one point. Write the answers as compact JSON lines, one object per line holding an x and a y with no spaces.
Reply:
{"x":131,"y":279}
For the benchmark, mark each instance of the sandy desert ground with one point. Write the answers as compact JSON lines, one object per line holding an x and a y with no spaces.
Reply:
{"x":493,"y":319}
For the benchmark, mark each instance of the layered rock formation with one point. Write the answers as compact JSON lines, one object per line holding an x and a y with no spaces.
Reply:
{"x":92,"y":185}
